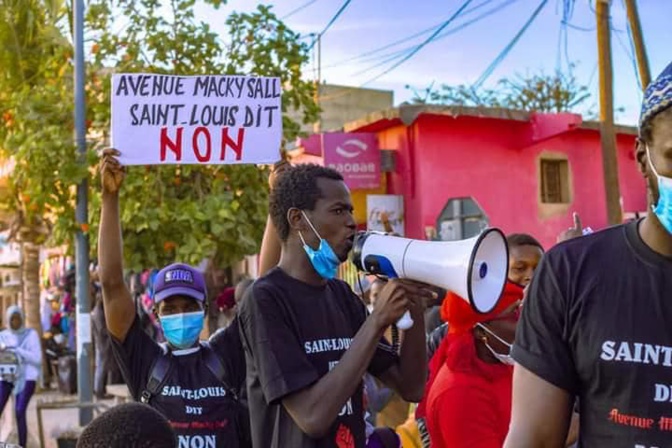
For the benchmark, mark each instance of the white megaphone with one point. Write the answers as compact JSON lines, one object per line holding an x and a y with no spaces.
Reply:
{"x":475,"y":269}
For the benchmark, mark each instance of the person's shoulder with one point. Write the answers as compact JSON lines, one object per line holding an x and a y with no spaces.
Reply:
{"x":264,"y":292}
{"x":225,"y":335}
{"x":32,"y":333}
{"x":271,"y":280}
{"x":597,"y":245}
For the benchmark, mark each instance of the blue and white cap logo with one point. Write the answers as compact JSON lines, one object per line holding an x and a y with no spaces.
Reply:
{"x":179,"y":275}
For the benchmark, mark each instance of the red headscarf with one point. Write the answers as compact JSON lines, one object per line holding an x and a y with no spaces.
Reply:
{"x":461,"y":319}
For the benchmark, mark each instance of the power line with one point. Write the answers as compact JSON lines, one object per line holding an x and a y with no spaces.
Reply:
{"x":630,"y":54}
{"x":296,"y":10}
{"x":423,"y":44}
{"x":331,"y":22}
{"x":498,"y":60}
{"x":392,"y":56}
{"x":405,"y":39}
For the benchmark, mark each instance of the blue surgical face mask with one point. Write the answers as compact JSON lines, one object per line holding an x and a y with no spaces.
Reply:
{"x":324,"y":260}
{"x":182,"y":330}
{"x":663,"y":208}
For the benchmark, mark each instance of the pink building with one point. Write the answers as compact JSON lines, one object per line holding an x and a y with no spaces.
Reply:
{"x":459,"y":169}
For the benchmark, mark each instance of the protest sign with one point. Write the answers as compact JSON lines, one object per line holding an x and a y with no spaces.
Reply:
{"x":164,"y":119}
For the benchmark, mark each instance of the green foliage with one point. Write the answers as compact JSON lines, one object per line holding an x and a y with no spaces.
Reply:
{"x":188,"y":213}
{"x":36,"y":105}
{"x":169,"y":212}
{"x":558,"y":92}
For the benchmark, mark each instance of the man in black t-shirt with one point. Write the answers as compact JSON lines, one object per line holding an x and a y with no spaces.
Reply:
{"x":597,"y":321}
{"x":307,"y":338}
{"x":198,"y":399}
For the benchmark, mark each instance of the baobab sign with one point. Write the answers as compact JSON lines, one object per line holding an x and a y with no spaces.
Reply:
{"x":355,"y":155}
{"x":164,"y":119}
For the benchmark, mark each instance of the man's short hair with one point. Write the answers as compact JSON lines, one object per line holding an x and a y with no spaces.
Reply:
{"x":523,"y":239}
{"x":296,"y":187}
{"x":129,"y":425}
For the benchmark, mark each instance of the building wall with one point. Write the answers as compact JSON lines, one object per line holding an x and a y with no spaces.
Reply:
{"x":341,"y":104}
{"x":443,"y":157}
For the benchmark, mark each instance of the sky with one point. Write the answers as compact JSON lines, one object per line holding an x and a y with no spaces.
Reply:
{"x":351,"y":55}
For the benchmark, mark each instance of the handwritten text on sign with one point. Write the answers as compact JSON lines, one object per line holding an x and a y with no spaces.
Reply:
{"x":162,"y":119}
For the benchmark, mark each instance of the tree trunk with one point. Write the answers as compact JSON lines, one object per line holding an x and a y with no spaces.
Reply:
{"x":30,"y":276}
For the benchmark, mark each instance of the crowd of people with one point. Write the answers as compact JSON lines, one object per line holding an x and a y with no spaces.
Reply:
{"x":575,"y":352}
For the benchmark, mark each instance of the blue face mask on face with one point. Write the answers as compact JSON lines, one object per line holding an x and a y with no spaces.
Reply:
{"x":663,"y":208}
{"x":182,"y":330}
{"x":324,"y":260}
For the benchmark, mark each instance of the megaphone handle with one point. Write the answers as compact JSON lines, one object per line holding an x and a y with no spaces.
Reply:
{"x":405,"y":322}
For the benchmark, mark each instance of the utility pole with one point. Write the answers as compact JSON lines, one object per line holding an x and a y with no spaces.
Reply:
{"x":607,"y":132}
{"x":318,"y":83}
{"x":638,"y":40}
{"x":82,"y":290}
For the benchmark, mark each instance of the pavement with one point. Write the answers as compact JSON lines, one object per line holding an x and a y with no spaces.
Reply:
{"x":53,"y":420}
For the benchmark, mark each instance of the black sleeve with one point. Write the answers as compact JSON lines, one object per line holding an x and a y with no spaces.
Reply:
{"x":273,"y":346}
{"x":385,"y":356}
{"x":435,"y":338}
{"x":228,"y":346}
{"x":542,"y":336}
{"x":135,"y":357}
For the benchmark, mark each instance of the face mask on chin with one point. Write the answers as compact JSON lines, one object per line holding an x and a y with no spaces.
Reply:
{"x":182,"y":330}
{"x":324,"y":260}
{"x":663,"y":207}
{"x":504,"y":359}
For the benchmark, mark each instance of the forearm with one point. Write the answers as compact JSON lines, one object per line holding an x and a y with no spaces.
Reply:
{"x":314,"y":409}
{"x":110,"y":249}
{"x":412,"y":359}
{"x":269,"y":255}
{"x":119,"y":307}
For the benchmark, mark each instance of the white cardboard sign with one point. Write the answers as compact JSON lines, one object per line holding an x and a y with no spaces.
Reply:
{"x":209,"y":119}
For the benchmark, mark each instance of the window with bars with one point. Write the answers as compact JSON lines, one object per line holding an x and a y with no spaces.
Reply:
{"x":554,"y":181}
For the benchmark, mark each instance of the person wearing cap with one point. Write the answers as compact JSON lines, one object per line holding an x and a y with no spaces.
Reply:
{"x":597,"y":320}
{"x":200,"y":407}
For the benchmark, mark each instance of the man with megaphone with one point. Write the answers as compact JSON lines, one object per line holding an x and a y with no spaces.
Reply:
{"x":307,"y":337}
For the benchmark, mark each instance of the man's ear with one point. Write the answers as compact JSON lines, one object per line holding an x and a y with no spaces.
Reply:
{"x":296,"y":219}
{"x":641,"y":156}
{"x":155,"y":311}
{"x":479,"y":333}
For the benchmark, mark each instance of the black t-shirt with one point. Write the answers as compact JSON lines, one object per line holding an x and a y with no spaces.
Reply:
{"x":293,"y":334}
{"x":193,"y":399}
{"x":598,"y":323}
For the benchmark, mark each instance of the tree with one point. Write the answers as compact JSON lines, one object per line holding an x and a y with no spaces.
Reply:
{"x":36,"y":133}
{"x":190,"y":213}
{"x":537,"y":93}
{"x":169,"y":213}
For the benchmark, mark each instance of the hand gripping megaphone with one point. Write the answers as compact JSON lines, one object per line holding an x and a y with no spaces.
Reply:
{"x":475,"y":269}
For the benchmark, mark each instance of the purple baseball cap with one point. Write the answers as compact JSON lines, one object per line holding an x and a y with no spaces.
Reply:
{"x":179,"y":279}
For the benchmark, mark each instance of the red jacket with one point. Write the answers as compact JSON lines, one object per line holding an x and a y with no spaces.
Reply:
{"x":469,"y":404}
